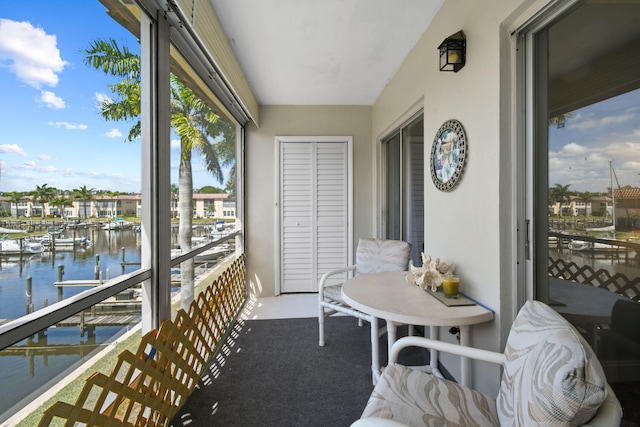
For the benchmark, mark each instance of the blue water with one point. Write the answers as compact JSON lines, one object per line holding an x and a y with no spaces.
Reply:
{"x":22,"y":376}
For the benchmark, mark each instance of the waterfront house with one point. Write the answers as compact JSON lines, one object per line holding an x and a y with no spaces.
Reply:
{"x":527,"y":62}
{"x":111,"y":206}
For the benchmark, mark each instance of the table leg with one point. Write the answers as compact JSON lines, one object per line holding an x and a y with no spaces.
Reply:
{"x":433,"y":354}
{"x":465,"y":364}
{"x":375,"y":350}
{"x":391,"y":337}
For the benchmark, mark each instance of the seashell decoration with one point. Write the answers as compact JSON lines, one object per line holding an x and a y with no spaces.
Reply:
{"x":430,"y":274}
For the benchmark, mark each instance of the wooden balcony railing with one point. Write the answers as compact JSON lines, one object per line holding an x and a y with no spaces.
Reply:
{"x":149,"y":387}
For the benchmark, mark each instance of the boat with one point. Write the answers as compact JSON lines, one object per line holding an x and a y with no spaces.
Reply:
{"x":20,"y":246}
{"x":117,"y":224}
{"x":212,"y":254}
{"x":609,"y":231}
{"x":59,"y":241}
{"x":10,"y":231}
{"x":585,"y":246}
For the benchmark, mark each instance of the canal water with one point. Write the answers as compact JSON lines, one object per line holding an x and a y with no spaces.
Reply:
{"x":24,"y":375}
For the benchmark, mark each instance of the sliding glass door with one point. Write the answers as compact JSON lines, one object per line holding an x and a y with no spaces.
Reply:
{"x":403,"y":153}
{"x":584,"y":157}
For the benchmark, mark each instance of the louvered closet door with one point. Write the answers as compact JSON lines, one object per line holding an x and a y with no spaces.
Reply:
{"x":314,"y":214}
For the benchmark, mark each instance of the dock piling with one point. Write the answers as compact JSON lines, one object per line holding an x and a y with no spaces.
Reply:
{"x":60,"y":275}
{"x":29,"y":294}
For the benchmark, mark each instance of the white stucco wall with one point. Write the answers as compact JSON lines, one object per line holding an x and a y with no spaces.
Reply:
{"x":261,"y":176}
{"x":473,"y":224}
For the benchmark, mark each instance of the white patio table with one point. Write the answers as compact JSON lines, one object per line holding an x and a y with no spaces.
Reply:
{"x":390,"y":297}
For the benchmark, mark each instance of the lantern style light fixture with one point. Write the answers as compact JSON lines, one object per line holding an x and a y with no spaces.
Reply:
{"x":453,"y":52}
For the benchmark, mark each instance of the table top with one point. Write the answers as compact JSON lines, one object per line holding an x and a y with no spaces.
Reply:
{"x":389,"y":296}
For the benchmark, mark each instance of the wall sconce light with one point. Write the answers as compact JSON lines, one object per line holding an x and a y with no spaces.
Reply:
{"x":453,"y":52}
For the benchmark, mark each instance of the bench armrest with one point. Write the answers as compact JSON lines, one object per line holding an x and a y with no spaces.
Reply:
{"x":459,"y":350}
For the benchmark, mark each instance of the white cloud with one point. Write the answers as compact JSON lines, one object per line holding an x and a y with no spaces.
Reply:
{"x":175,"y":144}
{"x":69,"y":126}
{"x":12,"y":149}
{"x":32,"y":54}
{"x":102,"y":98}
{"x":573,"y":149}
{"x":51,"y":100}
{"x":113,"y":133}
{"x":44,"y":157}
{"x":602,"y":121}
{"x":30,"y":164}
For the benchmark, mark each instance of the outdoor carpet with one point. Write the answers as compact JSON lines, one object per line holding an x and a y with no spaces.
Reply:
{"x":274,"y":373}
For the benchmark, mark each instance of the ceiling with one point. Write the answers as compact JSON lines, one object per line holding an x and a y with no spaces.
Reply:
{"x":329,"y":52}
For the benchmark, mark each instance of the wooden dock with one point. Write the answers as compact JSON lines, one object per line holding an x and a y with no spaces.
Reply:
{"x":100,"y":320}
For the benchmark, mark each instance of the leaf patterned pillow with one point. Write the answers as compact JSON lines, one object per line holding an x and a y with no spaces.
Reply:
{"x":551,"y":375}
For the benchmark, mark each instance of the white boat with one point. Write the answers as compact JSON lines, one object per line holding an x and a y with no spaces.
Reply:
{"x":10,"y":231}
{"x":60,"y":241}
{"x":610,"y":231}
{"x":212,"y":254}
{"x":583,"y":246}
{"x":118,"y":224}
{"x":20,"y":246}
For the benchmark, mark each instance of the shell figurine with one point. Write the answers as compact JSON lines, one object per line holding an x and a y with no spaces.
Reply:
{"x":430,"y":274}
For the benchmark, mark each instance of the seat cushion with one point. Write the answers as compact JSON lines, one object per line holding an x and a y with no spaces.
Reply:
{"x":376,"y":255}
{"x":551,"y":375}
{"x":416,"y":398}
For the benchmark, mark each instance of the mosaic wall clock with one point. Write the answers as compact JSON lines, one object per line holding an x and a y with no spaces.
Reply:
{"x":448,"y":154}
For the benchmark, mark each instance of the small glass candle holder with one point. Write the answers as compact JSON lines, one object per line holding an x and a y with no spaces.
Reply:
{"x":450,"y":286}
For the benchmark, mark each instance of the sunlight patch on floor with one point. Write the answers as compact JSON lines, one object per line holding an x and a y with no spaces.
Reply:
{"x":286,"y":306}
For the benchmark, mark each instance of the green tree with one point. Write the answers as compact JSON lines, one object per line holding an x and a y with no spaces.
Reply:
{"x":61,"y":202}
{"x":560,"y":193}
{"x":85,"y":194}
{"x":43,"y":194}
{"x":192,"y":120}
{"x":587,"y":197}
{"x":15,"y":197}
{"x":209,"y":189}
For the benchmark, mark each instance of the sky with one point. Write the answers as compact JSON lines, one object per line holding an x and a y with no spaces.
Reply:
{"x":593,"y":136}
{"x":51,"y":131}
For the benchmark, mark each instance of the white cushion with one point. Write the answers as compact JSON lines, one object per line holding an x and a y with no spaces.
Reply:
{"x":416,"y":398}
{"x":551,"y":375}
{"x":376,"y":255}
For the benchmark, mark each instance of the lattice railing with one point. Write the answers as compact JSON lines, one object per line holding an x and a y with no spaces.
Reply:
{"x":149,"y":387}
{"x":618,"y":283}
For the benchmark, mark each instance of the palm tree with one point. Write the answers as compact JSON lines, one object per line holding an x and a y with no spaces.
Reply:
{"x":85,"y":194}
{"x":560,"y":193}
{"x":15,"y":197}
{"x":587,"y":197}
{"x":61,"y":202}
{"x":114,"y":202}
{"x":174,"y":197}
{"x":193,"y":121}
{"x":43,"y":194}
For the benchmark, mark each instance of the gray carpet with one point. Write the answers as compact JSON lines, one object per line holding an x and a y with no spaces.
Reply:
{"x":273,"y":373}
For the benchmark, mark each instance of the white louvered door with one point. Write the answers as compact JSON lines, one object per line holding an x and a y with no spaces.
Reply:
{"x":314,"y":210}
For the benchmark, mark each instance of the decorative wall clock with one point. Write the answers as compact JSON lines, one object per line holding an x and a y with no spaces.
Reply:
{"x":448,"y":154}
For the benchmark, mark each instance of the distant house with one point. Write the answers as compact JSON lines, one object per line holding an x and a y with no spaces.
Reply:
{"x":627,"y":202}
{"x":219,"y":206}
{"x":576,"y":206}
